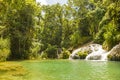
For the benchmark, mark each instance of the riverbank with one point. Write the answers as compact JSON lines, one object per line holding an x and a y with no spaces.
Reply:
{"x":11,"y":71}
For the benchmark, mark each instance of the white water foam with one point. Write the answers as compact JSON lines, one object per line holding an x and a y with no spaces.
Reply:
{"x":97,"y":52}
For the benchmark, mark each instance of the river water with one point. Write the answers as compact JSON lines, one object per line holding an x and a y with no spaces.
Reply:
{"x":72,"y":70}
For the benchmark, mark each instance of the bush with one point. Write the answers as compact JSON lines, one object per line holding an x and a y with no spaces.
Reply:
{"x":4,"y":49}
{"x":65,"y":54}
{"x":82,"y":55}
{"x":99,"y":38}
{"x":111,"y":36}
{"x":51,"y":51}
{"x":43,"y":55}
{"x":77,"y":39}
{"x":35,"y":49}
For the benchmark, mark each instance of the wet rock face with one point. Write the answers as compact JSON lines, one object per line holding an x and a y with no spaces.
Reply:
{"x":115,"y":53}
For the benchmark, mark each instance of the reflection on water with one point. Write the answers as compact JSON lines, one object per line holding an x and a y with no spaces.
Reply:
{"x":72,"y":70}
{"x":99,"y":69}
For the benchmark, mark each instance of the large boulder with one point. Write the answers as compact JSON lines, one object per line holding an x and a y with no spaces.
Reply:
{"x":115,"y":53}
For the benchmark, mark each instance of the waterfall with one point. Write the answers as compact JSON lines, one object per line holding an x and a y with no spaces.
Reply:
{"x":96,"y":53}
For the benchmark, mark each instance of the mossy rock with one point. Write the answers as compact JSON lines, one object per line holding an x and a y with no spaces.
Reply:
{"x":115,"y":53}
{"x":82,"y":55}
{"x":114,"y":57}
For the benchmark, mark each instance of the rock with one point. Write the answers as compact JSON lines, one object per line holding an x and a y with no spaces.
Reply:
{"x":115,"y":53}
{"x":75,"y":54}
{"x":74,"y":57}
{"x":95,"y":57}
{"x":90,"y":52}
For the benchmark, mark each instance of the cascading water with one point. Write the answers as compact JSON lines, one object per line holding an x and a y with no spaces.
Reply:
{"x":96,"y":53}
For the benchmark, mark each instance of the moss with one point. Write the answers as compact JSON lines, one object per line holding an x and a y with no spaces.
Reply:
{"x":82,"y":55}
{"x":11,"y":71}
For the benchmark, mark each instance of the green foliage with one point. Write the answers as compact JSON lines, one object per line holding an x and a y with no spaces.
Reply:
{"x":109,"y":26}
{"x":44,"y":55}
{"x":95,"y":17}
{"x":111,"y":36}
{"x":50,"y":29}
{"x":4,"y":49}
{"x":99,"y":38}
{"x":77,"y":39}
{"x":35,"y":50}
{"x":65,"y":54}
{"x":20,"y":21}
{"x":57,"y":26}
{"x":82,"y":55}
{"x":51,"y":51}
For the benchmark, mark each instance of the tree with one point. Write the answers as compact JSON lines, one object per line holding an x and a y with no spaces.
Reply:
{"x":20,"y":22}
{"x":110,"y":24}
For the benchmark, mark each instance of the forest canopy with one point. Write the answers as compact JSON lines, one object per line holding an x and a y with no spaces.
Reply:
{"x":29,"y":30}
